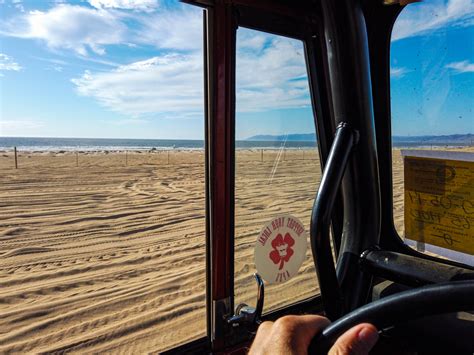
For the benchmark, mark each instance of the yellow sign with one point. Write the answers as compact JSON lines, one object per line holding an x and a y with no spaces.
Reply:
{"x":439,"y":201}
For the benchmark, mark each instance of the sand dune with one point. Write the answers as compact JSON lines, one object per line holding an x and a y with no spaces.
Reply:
{"x":105,"y":252}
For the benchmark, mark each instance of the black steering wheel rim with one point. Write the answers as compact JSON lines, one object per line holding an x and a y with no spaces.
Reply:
{"x":403,"y":306}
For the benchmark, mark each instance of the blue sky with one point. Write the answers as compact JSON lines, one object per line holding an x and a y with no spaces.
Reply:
{"x":133,"y":69}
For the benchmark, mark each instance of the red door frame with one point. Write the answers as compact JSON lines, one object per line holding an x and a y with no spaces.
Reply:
{"x":220,"y":93}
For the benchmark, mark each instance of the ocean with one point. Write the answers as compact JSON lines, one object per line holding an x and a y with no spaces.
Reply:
{"x":106,"y":144}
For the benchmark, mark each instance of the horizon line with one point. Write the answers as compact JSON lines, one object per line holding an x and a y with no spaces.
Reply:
{"x":201,"y":139}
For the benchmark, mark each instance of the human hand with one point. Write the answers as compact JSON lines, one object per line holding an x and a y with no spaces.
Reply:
{"x":293,"y":334}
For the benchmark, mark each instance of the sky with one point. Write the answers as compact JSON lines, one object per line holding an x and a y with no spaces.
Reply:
{"x":133,"y":69}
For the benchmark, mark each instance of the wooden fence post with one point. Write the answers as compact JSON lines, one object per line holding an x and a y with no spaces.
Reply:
{"x":16,"y":158}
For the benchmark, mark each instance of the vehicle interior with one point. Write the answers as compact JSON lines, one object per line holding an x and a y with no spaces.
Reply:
{"x":421,"y":304}
{"x":155,"y":254}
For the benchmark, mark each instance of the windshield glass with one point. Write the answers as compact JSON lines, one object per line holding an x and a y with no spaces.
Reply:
{"x":432,"y":90}
{"x":277,"y":170}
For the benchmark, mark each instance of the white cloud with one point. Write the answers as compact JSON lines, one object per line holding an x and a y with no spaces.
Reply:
{"x":250,"y":40}
{"x":179,"y":29}
{"x":172,"y":85}
{"x":71,"y":27}
{"x":139,"y":5}
{"x":168,"y":84}
{"x":461,"y":67}
{"x":422,"y":18}
{"x":85,"y":30}
{"x":19,"y":6}
{"x":7,"y":63}
{"x":271,"y":72}
{"x":396,"y":72}
{"x":272,"y":78}
{"x":163,"y":84}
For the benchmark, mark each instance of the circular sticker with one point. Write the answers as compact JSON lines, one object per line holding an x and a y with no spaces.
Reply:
{"x":280,"y":249}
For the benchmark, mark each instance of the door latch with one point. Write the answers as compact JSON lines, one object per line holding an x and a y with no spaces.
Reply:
{"x":245,"y":314}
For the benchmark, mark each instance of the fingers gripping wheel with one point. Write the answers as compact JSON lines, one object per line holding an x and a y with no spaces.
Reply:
{"x":404,"y":306}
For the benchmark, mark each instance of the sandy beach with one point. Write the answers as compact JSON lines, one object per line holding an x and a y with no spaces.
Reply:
{"x":105,"y":251}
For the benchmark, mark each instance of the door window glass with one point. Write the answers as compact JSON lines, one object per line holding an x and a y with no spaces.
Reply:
{"x":102,"y":212}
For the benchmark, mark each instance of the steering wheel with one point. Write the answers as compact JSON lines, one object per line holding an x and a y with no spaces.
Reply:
{"x":340,"y":296}
{"x":403,"y":306}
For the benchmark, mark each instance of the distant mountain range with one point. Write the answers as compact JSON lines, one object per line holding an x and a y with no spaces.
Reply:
{"x":452,"y":138}
{"x":462,"y":139}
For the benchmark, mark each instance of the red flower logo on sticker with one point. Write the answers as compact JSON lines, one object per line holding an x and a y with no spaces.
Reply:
{"x":282,"y":251}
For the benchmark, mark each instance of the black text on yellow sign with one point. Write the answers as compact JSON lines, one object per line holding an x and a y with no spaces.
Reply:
{"x":439,"y":202}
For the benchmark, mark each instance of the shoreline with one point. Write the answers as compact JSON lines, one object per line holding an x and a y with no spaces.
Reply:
{"x":108,"y":150}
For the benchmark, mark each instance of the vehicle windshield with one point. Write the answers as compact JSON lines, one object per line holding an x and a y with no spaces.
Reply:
{"x":432,"y":86}
{"x":277,"y":169}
